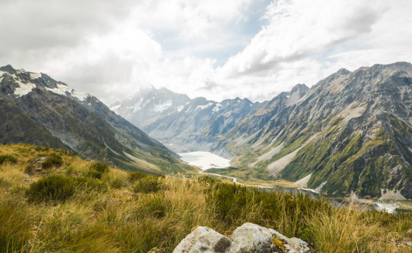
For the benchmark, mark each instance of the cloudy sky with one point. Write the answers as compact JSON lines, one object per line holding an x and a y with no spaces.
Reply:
{"x":213,"y":48}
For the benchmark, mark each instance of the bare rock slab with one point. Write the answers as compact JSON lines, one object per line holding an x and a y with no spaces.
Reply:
{"x":247,"y":238}
{"x":203,"y":239}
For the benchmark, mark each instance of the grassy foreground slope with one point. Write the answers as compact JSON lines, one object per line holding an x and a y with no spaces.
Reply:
{"x":72,"y":205}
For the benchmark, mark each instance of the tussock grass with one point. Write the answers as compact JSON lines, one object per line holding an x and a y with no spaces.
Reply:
{"x":135,"y":212}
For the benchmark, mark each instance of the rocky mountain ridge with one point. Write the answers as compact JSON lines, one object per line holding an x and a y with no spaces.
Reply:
{"x":351,"y":132}
{"x":38,"y":110}
{"x":181,"y":123}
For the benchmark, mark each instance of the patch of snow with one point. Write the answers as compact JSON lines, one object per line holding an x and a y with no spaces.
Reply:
{"x":205,"y":160}
{"x":19,"y":71}
{"x":79,"y":95}
{"x":202,"y":107}
{"x":35,"y":75}
{"x":163,"y":106}
{"x":136,"y":107}
{"x":217,"y":107}
{"x":24,"y":89}
{"x":1,"y":73}
{"x":115,"y":107}
{"x":60,"y":90}
{"x":180,"y":108}
{"x":396,"y":195}
{"x":303,"y":182}
{"x":64,"y":89}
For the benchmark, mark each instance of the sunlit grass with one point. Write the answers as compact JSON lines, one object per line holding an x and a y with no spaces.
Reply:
{"x":138,"y":212}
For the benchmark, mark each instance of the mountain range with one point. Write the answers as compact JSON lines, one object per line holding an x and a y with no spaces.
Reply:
{"x":184,"y":124}
{"x":39,"y":110}
{"x":349,"y":133}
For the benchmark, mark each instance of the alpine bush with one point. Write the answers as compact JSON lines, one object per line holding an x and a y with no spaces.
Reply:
{"x":54,"y":188}
{"x":97,"y":170}
{"x":8,"y":159}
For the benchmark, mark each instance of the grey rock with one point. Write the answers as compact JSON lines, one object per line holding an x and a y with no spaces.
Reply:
{"x":203,"y":239}
{"x":251,"y":238}
{"x":41,"y":159}
{"x":245,"y":239}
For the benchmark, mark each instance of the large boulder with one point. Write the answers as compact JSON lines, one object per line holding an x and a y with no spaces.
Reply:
{"x":203,"y":239}
{"x":253,"y":238}
{"x":247,"y":238}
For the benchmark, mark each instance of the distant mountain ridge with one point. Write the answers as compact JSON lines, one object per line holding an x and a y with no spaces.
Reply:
{"x":184,"y":124}
{"x":38,"y":110}
{"x":351,"y":132}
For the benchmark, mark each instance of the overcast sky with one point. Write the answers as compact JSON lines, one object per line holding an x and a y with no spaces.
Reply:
{"x":213,"y":48}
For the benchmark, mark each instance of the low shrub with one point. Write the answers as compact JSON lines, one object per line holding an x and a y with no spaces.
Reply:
{"x":134,"y":176}
{"x":8,"y":159}
{"x":208,"y":180}
{"x":29,"y":170}
{"x":52,"y":160}
{"x":155,"y":206}
{"x":57,"y":188}
{"x":97,"y":170}
{"x":148,"y":184}
{"x":116,"y":183}
{"x":54,"y":188}
{"x":284,"y":211}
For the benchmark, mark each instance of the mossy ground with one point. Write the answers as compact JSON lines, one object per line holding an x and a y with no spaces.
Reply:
{"x":136,"y":212}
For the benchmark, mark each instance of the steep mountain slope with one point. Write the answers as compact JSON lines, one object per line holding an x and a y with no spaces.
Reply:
{"x":351,"y":132}
{"x":182,"y":123}
{"x":39,"y":110}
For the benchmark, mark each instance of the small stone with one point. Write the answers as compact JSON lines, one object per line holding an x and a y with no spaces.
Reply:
{"x":41,"y":159}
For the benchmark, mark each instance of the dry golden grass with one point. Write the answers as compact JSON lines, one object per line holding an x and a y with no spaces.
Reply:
{"x":129,"y":219}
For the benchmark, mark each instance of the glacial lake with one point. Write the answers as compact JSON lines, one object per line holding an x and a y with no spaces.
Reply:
{"x":204,"y":160}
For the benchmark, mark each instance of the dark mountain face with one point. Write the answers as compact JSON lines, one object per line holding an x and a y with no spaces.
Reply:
{"x":38,"y":110}
{"x":182,"y":123}
{"x":351,"y":132}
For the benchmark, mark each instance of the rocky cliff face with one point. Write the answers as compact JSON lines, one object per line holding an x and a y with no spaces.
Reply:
{"x":38,"y":110}
{"x":182,"y":123}
{"x":351,"y":132}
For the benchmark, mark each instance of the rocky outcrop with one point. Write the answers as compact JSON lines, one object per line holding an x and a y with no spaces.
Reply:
{"x":246,"y":238}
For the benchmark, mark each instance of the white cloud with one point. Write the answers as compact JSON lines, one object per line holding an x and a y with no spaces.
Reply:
{"x":214,"y":48}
